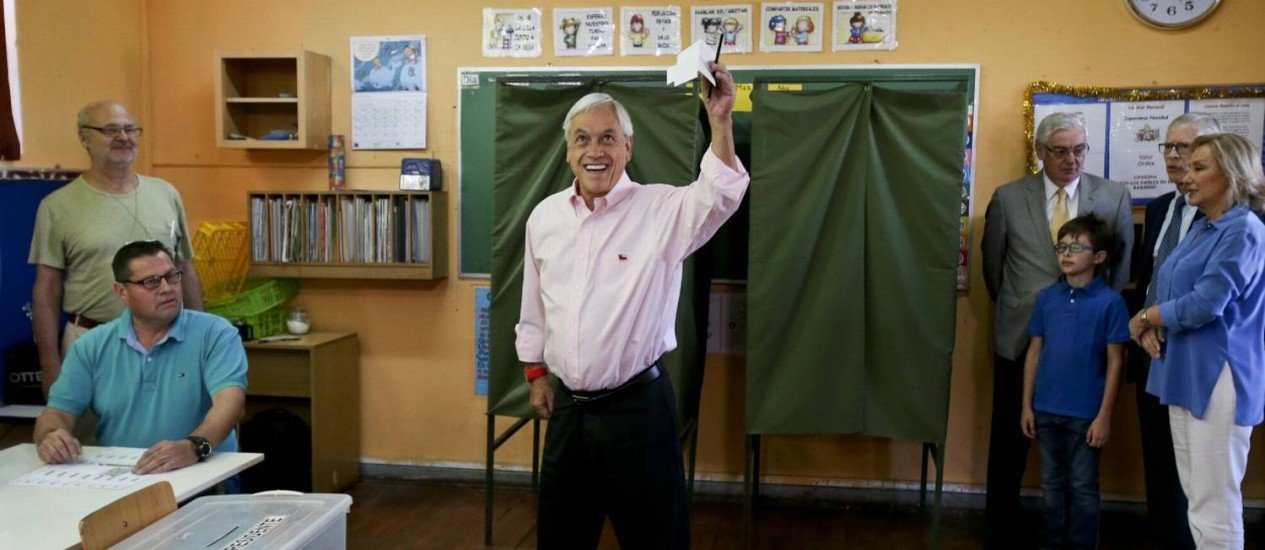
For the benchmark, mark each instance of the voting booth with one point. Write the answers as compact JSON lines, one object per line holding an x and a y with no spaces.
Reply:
{"x":289,"y":521}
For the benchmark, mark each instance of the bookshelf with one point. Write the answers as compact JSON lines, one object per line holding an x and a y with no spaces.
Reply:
{"x":257,"y":92}
{"x":349,"y":234}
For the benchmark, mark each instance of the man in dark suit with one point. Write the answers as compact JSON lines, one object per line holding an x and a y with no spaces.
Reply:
{"x":1018,"y":255}
{"x":1168,"y":217}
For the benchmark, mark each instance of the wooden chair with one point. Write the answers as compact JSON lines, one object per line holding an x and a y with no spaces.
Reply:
{"x":120,"y":519}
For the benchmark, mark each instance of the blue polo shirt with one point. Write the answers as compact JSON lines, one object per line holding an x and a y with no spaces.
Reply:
{"x":142,"y":398}
{"x":1076,"y":325}
{"x":1211,"y":292}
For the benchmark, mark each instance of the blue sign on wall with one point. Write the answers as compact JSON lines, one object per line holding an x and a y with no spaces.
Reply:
{"x":482,"y":350}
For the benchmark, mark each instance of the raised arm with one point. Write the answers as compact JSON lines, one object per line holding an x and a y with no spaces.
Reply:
{"x":720,"y":107}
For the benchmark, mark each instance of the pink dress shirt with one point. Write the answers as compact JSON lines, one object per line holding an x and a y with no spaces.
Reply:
{"x":600,"y":287}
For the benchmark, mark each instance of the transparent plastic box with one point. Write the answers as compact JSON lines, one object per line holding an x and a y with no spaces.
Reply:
{"x":263,"y":521}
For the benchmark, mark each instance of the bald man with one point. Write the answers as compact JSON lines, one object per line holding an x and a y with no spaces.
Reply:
{"x":80,"y":226}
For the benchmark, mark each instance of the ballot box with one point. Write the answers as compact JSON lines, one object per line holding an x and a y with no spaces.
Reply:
{"x":265,"y":521}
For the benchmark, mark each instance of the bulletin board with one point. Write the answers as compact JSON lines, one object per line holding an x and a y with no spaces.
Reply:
{"x":476,"y":127}
{"x":1126,"y":125}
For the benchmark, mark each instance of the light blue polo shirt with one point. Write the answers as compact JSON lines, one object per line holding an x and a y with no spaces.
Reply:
{"x":143,"y":398}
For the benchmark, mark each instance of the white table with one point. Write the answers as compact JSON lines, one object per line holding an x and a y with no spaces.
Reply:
{"x":41,"y":517}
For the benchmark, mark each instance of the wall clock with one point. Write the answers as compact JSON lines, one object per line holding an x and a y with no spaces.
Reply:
{"x":1171,"y":14}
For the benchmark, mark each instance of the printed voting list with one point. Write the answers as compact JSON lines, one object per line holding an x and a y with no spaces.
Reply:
{"x":99,"y":468}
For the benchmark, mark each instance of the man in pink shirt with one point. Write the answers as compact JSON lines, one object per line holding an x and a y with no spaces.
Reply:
{"x":601,"y":280}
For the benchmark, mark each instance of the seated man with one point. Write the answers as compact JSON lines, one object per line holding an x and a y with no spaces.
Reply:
{"x":160,"y":376}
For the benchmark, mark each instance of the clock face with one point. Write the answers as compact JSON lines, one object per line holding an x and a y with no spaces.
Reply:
{"x":1171,"y":14}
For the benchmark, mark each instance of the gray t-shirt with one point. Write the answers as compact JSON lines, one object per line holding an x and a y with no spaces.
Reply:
{"x":79,"y":228}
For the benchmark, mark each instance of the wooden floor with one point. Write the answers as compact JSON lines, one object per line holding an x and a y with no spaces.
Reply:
{"x":390,"y":514}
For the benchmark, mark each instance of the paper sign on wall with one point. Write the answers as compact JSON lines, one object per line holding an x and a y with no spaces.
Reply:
{"x":728,"y":24}
{"x":650,"y":30}
{"x":864,"y":25}
{"x":791,"y":27}
{"x":511,"y":33}
{"x":583,"y":31}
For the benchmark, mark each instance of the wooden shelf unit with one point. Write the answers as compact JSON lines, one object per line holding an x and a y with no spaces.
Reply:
{"x":257,"y":92}
{"x":425,"y":225}
{"x":317,"y":377}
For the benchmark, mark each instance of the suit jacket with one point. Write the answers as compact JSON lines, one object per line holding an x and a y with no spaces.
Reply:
{"x":1019,"y":258}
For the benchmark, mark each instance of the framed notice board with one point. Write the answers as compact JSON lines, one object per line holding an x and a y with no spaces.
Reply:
{"x":1126,"y":125}
{"x":477,"y":119}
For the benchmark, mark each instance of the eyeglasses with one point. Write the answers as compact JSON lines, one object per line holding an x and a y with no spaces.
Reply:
{"x":1182,"y":148}
{"x":1062,"y":152}
{"x":116,"y":131}
{"x":1074,"y":248}
{"x":152,"y":283}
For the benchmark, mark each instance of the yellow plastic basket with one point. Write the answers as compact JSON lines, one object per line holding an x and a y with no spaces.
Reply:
{"x":221,"y":254}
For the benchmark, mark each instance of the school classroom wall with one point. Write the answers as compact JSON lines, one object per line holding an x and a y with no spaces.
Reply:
{"x":417,"y":338}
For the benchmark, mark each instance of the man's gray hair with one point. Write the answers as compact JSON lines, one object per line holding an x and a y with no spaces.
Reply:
{"x":81,"y":119}
{"x":1203,"y":123}
{"x":597,"y":100}
{"x":1058,"y":121}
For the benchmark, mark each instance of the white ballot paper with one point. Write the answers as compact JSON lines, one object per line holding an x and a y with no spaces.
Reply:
{"x":690,"y":63}
{"x":103,"y":468}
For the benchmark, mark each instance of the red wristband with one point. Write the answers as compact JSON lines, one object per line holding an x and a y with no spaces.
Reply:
{"x":532,"y":373}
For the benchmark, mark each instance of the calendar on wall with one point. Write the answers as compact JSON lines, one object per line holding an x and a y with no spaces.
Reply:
{"x":388,"y":92}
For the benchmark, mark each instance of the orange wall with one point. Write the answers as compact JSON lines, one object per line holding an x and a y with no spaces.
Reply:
{"x":417,"y":338}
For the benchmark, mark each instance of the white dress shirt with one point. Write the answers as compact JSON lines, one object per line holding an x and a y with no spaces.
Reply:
{"x":1052,"y":198}
{"x":1188,"y":217}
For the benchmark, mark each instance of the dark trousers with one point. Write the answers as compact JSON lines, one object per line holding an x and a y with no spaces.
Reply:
{"x":618,"y":457}
{"x":1007,"y":456}
{"x":1165,"y":502}
{"x":1069,"y":476}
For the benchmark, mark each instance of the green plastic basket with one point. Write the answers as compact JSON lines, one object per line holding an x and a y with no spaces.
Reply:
{"x":259,"y":296}
{"x":267,"y":323}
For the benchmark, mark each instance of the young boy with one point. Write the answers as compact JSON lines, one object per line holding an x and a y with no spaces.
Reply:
{"x":1079,"y":328}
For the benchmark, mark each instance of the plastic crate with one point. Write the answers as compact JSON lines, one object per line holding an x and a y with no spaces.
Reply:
{"x":268,"y":323}
{"x":221,"y":255}
{"x":260,"y":295}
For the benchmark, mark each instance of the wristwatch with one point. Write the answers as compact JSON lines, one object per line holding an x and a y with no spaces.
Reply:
{"x":200,"y":446}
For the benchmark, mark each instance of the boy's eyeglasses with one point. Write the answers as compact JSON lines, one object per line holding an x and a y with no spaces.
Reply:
{"x":152,"y":283}
{"x":1074,"y":248}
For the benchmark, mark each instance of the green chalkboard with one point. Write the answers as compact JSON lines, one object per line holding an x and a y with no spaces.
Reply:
{"x":728,"y":249}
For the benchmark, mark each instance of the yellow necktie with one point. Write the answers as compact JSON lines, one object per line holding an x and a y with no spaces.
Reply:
{"x":1059,"y":216}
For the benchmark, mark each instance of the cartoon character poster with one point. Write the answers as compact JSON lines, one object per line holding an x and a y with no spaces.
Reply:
{"x":511,"y":33}
{"x":583,"y":31}
{"x":791,"y":27}
{"x":864,"y":25}
{"x":729,"y":25}
{"x":649,"y":30}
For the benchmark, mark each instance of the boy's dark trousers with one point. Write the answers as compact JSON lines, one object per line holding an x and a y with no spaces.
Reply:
{"x":1069,"y":477}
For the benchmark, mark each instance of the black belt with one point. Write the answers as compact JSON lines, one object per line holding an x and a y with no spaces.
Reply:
{"x":636,"y":381}
{"x":80,"y":320}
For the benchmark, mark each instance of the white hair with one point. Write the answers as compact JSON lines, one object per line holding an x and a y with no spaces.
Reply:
{"x":1058,"y":121}
{"x":1203,"y":123}
{"x":597,"y":100}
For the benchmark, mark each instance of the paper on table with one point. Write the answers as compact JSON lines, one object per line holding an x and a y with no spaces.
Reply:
{"x":112,"y":456}
{"x":80,"y":476}
{"x":97,"y":468}
{"x":690,"y":63}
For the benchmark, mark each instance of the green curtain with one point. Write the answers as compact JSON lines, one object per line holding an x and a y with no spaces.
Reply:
{"x":853,"y":250}
{"x":530,"y":164}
